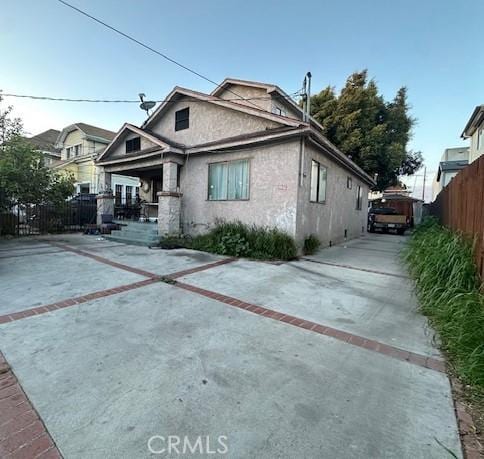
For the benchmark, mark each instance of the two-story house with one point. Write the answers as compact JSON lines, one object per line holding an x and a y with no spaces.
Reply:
{"x":79,"y":145}
{"x":474,"y":131}
{"x":253,"y":156}
{"x":453,"y":160}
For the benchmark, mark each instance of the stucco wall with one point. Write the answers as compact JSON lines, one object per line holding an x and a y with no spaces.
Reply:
{"x":262,"y":99}
{"x":120,"y":150}
{"x":328,"y":221}
{"x":208,"y":123}
{"x":272,"y":189}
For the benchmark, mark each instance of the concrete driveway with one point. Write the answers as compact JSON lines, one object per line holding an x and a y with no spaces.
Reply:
{"x":118,"y":348}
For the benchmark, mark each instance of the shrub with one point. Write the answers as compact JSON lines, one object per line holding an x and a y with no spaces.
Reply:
{"x":238,"y":239}
{"x":448,"y":288}
{"x":311,"y":244}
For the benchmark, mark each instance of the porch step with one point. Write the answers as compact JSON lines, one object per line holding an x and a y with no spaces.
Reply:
{"x":145,"y":234}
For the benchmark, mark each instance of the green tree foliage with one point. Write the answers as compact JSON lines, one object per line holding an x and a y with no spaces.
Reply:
{"x":25,"y":180}
{"x":9,"y":127}
{"x":374,"y":133}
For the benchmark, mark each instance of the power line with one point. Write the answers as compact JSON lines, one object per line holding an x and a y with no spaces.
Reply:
{"x":133,"y":101}
{"x":149,"y":48}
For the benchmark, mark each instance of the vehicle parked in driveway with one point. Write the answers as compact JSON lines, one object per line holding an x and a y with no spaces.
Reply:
{"x":387,"y":219}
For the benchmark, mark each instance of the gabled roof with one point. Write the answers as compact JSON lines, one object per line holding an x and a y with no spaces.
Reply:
{"x":476,"y":119}
{"x":91,"y":132}
{"x":45,"y":141}
{"x":179,"y":92}
{"x":161,"y":142}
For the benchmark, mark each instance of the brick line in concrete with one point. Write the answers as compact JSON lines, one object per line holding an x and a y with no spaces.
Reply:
{"x":366,"y":270}
{"x":75,"y":300}
{"x":23,"y":435}
{"x":11,"y":317}
{"x":349,"y":338}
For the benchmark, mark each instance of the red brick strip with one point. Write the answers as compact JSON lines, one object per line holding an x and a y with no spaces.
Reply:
{"x":22,"y":433}
{"x":374,"y":271}
{"x":471,"y":446}
{"x":106,"y":261}
{"x":74,"y":301}
{"x":186,"y":272}
{"x":355,"y":340}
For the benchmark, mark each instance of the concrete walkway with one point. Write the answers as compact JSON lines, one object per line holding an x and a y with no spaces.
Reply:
{"x":322,"y":357}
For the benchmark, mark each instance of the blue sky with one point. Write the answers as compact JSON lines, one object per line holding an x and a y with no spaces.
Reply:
{"x":432,"y":47}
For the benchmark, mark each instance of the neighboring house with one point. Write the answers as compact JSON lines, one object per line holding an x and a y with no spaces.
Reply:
{"x":474,"y":131}
{"x":79,"y":145}
{"x":45,"y":143}
{"x":453,"y":160}
{"x":203,"y":157}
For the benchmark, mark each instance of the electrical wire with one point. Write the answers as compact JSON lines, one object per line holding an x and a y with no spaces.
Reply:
{"x":133,"y":101}
{"x":149,"y":48}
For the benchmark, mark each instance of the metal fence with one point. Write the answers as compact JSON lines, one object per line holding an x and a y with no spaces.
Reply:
{"x":34,"y":219}
{"x":460,"y":206}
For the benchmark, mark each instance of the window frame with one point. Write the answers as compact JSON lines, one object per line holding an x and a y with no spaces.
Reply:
{"x":349,"y":183}
{"x":318,"y":181}
{"x":130,"y":142}
{"x":118,"y":197}
{"x":182,"y":120}
{"x":227,"y":163}
{"x":480,"y":138}
{"x":359,"y":197}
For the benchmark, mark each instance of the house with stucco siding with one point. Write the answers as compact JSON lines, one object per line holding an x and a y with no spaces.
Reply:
{"x":243,"y":152}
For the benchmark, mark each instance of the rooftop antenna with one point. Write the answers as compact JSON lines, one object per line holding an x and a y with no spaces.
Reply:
{"x":146,"y":105}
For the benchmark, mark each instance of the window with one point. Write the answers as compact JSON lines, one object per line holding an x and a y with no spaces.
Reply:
{"x":68,"y":152}
{"x":480,"y":138}
{"x":133,"y":145}
{"x":278,"y":111}
{"x":129,"y":194}
{"x":76,"y":150}
{"x":228,"y":180}
{"x":84,"y":188}
{"x":319,"y":175}
{"x":349,"y":183}
{"x":182,"y":119}
{"x":136,"y":191}
{"x":118,"y":194}
{"x":359,"y":197}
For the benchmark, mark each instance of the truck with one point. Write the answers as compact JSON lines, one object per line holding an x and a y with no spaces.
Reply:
{"x":387,"y":219}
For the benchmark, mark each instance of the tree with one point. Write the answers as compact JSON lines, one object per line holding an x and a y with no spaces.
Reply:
{"x":372,"y":132}
{"x":25,"y":180}
{"x":9,"y":127}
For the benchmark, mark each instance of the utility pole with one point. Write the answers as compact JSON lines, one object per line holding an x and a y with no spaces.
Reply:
{"x":423,"y":189}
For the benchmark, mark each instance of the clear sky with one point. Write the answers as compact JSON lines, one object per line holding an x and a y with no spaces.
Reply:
{"x":434,"y":47}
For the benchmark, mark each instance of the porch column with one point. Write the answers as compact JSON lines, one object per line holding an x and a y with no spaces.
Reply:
{"x":169,"y":202}
{"x":105,"y":198}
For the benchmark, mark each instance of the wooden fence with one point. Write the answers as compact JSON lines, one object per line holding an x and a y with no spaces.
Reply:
{"x":460,"y":206}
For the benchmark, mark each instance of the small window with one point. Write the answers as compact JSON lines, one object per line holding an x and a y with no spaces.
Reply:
{"x":228,"y":181}
{"x":84,"y":188}
{"x":349,"y":183}
{"x":278,"y":111}
{"x":137,"y":193}
{"x":359,"y":197}
{"x":133,"y":145}
{"x":76,"y":150}
{"x":182,"y":119}
{"x":68,"y":152}
{"x":319,"y":175}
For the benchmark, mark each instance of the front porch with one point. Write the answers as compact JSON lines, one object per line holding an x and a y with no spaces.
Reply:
{"x":158,"y":200}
